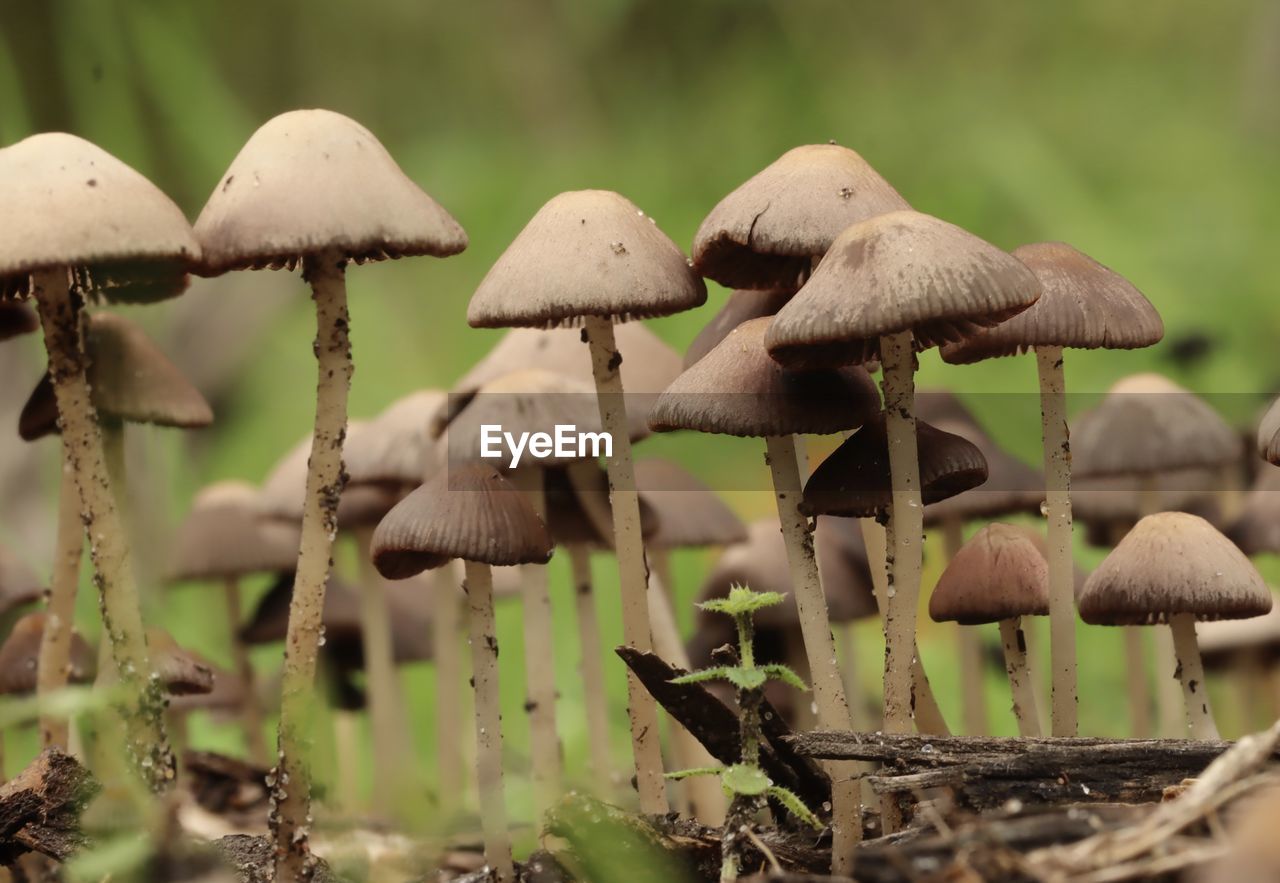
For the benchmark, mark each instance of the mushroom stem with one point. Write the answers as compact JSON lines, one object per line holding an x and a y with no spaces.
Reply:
{"x":820,"y":645}
{"x":1169,"y":699}
{"x":854,"y":693}
{"x":594,"y":696}
{"x":539,"y":658}
{"x":346,"y":744}
{"x":142,"y":707}
{"x":1135,"y":664}
{"x":325,"y":480}
{"x":53,"y":665}
{"x":1057,"y":476}
{"x":484,"y":665}
{"x":969,"y":645}
{"x":446,"y":625}
{"x":1191,"y":673}
{"x":1015,"y":663}
{"x":250,"y":707}
{"x":629,"y":547}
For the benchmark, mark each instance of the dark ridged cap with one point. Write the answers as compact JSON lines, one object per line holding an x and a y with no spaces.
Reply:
{"x":224,"y":535}
{"x":20,"y":655}
{"x":998,"y":574}
{"x":687,"y":512}
{"x":1011,"y":487}
{"x":742,"y":305}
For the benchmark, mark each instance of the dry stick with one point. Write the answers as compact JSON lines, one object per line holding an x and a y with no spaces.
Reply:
{"x":325,"y":479}
{"x":446,"y":624}
{"x":969,"y":644}
{"x":811,"y":602}
{"x":54,"y":664}
{"x":484,"y":665}
{"x":1057,"y":476}
{"x":592,"y":668}
{"x":629,"y":547}
{"x":143,"y":703}
{"x":251,"y":706}
{"x":1170,"y":714}
{"x":1195,"y":692}
{"x":1015,"y":663}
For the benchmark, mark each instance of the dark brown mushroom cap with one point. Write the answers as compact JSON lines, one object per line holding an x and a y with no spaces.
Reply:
{"x":904,"y":271}
{"x":398,"y":448}
{"x":854,"y":480}
{"x":766,"y":232}
{"x":1172,"y":563}
{"x":1083,"y":305}
{"x":586,"y":253}
{"x":1228,"y":640}
{"x":1147,"y":424}
{"x":228,"y":693}
{"x":181,"y":672}
{"x":742,"y":305}
{"x":998,"y":574}
{"x":467,"y":511}
{"x":16,"y":319}
{"x":19,"y":584}
{"x":20,"y":655}
{"x":688,"y":514}
{"x":737,"y":389}
{"x":68,"y":203}
{"x":284,"y":491}
{"x":130,"y":379}
{"x":1269,"y":434}
{"x":567,"y":518}
{"x":225,"y":536}
{"x":1256,"y":529}
{"x":269,"y":622}
{"x":1011,"y":487}
{"x":311,"y":181}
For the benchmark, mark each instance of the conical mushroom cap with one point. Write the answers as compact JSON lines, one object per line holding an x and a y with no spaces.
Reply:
{"x":1011,"y":486}
{"x":20,"y":655}
{"x":1170,"y":563}
{"x":469,"y":512}
{"x":69,"y":203}
{"x":311,"y":181}
{"x":225,"y":536}
{"x":16,"y":319}
{"x":903,"y":271}
{"x":1225,"y":640}
{"x":854,"y":480}
{"x":1083,"y":305}
{"x":1256,"y":529}
{"x":181,"y":672}
{"x":1148,"y":424}
{"x":19,"y":584}
{"x":736,"y":389}
{"x":998,"y":574}
{"x":284,"y":491}
{"x":398,"y":450}
{"x":567,"y":517}
{"x":742,"y":305}
{"x":586,"y":253}
{"x":1269,"y":434}
{"x":688,"y":513}
{"x":130,"y":380}
{"x":766,"y":232}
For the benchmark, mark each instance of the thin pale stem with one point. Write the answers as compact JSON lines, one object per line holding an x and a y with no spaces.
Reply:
{"x":1025,"y":707}
{"x":855,"y":693}
{"x":595,"y":698}
{"x":446,"y":624}
{"x":969,"y":645}
{"x":54,"y":664}
{"x":1170,"y":705}
{"x":251,"y":707}
{"x":346,"y":747}
{"x":1138,"y":688}
{"x":1191,"y":674}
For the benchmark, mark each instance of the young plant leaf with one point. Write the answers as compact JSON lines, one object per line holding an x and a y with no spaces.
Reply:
{"x":742,"y":601}
{"x":794,"y":805}
{"x":746,"y":780}
{"x":703,"y":675}
{"x":779,"y":672}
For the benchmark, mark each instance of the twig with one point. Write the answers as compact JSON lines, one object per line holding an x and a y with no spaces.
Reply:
{"x":764,"y":850}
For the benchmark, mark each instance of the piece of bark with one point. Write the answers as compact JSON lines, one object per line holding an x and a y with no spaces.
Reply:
{"x":40,"y":807}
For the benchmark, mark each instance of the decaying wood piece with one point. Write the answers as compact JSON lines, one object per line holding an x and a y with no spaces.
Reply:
{"x":40,"y":808}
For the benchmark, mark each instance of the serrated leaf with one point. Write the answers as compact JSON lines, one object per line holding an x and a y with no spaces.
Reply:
{"x":779,"y":672}
{"x":794,"y":805}
{"x":745,"y":678}
{"x":696,"y":771}
{"x":742,"y":601}
{"x":749,"y":781}
{"x":703,"y":675}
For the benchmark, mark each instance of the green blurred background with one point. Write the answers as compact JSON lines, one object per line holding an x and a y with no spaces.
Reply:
{"x":1144,"y":134}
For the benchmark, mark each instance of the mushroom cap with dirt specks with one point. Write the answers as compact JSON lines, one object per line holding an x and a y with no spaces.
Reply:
{"x":854,"y":480}
{"x":130,"y":379}
{"x":688,"y":513}
{"x":19,"y":584}
{"x":69,"y":203}
{"x":904,"y":271}
{"x":1256,"y":529}
{"x":741,"y":305}
{"x":225,"y":536}
{"x":1011,"y":487}
{"x":1083,"y":305}
{"x":467,"y":511}
{"x":586,"y":253}
{"x":1171,"y":563}
{"x":767,"y":231}
{"x":398,"y":449}
{"x":20,"y":655}
{"x":1147,"y":424}
{"x":998,"y":574}
{"x":737,"y":389}
{"x":1269,"y":434}
{"x":16,"y":319}
{"x":314,"y":181}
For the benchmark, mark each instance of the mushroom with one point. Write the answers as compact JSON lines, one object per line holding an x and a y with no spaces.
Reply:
{"x":21,"y":649}
{"x":889,"y":286}
{"x":473,"y":513}
{"x":999,"y":576}
{"x":1176,"y":568}
{"x":1256,"y":529}
{"x":592,"y":257}
{"x":742,"y":305}
{"x":76,"y":213}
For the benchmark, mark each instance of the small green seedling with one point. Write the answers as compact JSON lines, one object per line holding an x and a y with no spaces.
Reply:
{"x":745,"y":782}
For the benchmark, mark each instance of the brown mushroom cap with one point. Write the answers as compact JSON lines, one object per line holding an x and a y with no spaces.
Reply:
{"x":687,"y":512}
{"x":854,"y":479}
{"x":903,"y":271}
{"x":586,"y":253}
{"x":68,"y":203}
{"x":1224,"y":641}
{"x":228,"y":693}
{"x":467,"y":511}
{"x":311,"y":181}
{"x":20,"y":655}
{"x":742,"y":305}
{"x":1269,"y":434}
{"x":765,"y":233}
{"x":16,"y":319}
{"x":19,"y":584}
{"x":737,"y":389}
{"x":1084,"y":305}
{"x":181,"y":672}
{"x":998,"y":574}
{"x":225,"y":536}
{"x":284,"y":490}
{"x":1147,"y":424}
{"x":567,"y":517}
{"x":398,"y":448}
{"x":1172,"y":563}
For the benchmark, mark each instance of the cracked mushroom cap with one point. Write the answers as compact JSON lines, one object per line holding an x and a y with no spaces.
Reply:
{"x":130,"y":379}
{"x":1172,"y":563}
{"x":903,"y":271}
{"x":688,"y":514}
{"x":854,"y":480}
{"x":1083,"y":305}
{"x":1256,"y":529}
{"x":20,"y":655}
{"x":736,"y":389}
{"x":398,"y":449}
{"x":69,"y":203}
{"x":1148,"y":424}
{"x":225,"y":536}
{"x":313,"y":181}
{"x":16,"y":319}
{"x":19,"y":584}
{"x":284,"y":491}
{"x":467,"y":511}
{"x":586,"y":253}
{"x":766,"y":232}
{"x":1269,"y":434}
{"x":1011,"y":487}
{"x":1000,"y":573}
{"x":742,"y":305}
